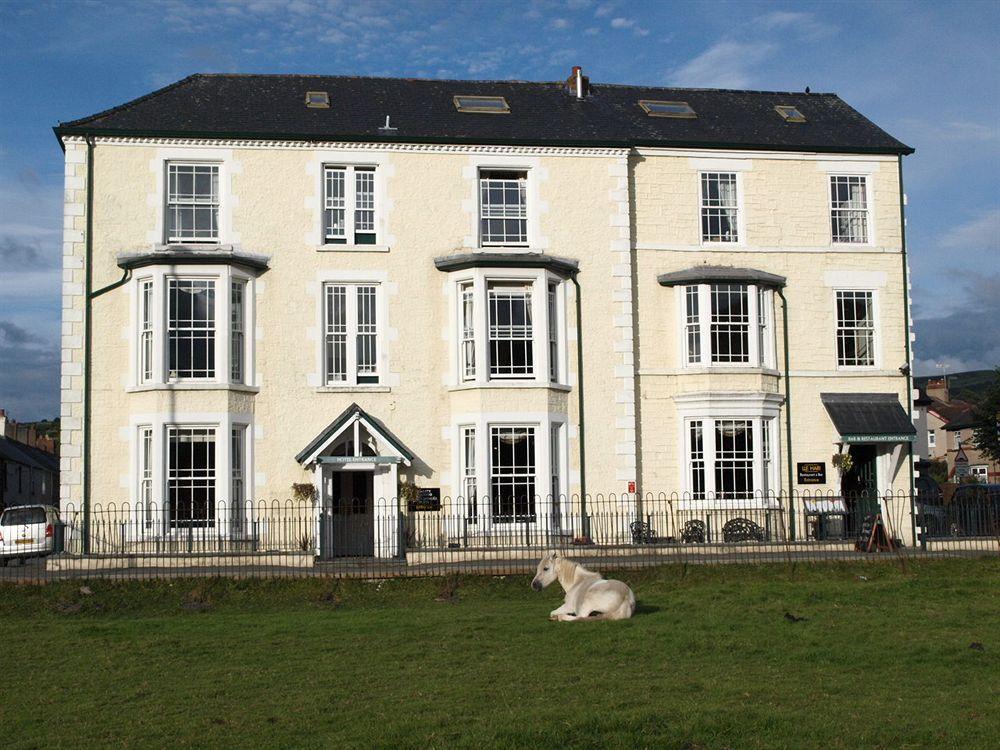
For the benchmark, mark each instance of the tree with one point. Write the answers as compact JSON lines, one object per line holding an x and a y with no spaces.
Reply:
{"x":986,"y":434}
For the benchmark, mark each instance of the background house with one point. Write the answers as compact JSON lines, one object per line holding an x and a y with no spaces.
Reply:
{"x":29,"y":465}
{"x":950,"y":424}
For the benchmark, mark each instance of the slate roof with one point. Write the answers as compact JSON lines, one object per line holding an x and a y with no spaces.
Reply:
{"x":346,"y":416}
{"x":867,"y":414}
{"x":422,"y":110}
{"x":27,"y":455}
{"x":721,"y":274}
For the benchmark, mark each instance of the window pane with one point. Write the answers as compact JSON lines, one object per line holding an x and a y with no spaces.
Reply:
{"x":718,"y":207}
{"x":855,"y":329}
{"x":510,"y":334}
{"x":553,"y":315}
{"x":191,"y":328}
{"x":367,"y":343}
{"x":469,"y":489}
{"x":692,"y":325}
{"x":512,"y":474}
{"x":146,"y":331}
{"x":696,"y":448}
{"x":191,"y":476}
{"x":192,"y":210}
{"x":849,"y":208}
{"x":334,"y":204}
{"x":236,"y":344}
{"x":734,"y":459}
{"x":364,"y":205}
{"x":335,"y":334}
{"x":503,"y":208}
{"x":237,"y":488}
{"x":468,"y":332}
{"x":730,"y":328}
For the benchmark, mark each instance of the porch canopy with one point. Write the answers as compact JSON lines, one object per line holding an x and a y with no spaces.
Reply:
{"x":391,"y":449}
{"x":869,"y":417}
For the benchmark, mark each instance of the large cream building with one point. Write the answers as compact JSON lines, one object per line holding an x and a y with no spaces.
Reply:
{"x":521,"y":297}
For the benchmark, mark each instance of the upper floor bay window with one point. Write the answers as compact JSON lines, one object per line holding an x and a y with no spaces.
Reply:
{"x":349,"y":205}
{"x":191,"y":328}
{"x":350,"y":334}
{"x":728,"y":324}
{"x":503,"y":208}
{"x":192,"y":205}
{"x":849,"y":217}
{"x":719,"y":207}
{"x":729,"y":459}
{"x":855,"y":328}
{"x":510,"y":329}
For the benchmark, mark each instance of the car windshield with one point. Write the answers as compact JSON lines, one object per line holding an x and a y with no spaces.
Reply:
{"x":22,"y":516}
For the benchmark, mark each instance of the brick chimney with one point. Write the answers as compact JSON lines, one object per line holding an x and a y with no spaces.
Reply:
{"x":578,"y":85}
{"x":938,"y":388}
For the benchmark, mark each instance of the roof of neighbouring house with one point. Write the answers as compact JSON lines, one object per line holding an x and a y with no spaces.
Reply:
{"x":27,"y":455}
{"x":541,"y":113}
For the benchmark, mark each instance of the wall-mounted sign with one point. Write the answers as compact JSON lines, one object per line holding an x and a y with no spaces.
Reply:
{"x":357,"y":460}
{"x":428,"y":498}
{"x":877,"y":438}
{"x":812,"y":472}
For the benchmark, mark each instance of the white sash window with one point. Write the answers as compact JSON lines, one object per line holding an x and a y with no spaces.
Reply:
{"x":349,"y":205}
{"x":351,"y":338}
{"x":719,"y":207}
{"x":503,"y":207}
{"x":855,"y":329}
{"x":849,"y":217}
{"x":192,"y":202}
{"x":728,"y":325}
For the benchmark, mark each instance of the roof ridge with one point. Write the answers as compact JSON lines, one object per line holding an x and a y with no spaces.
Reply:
{"x":131,"y":103}
{"x":509,"y":80}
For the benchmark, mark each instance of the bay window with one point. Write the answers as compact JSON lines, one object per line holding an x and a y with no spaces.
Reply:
{"x":512,"y":474}
{"x":191,"y":327}
{"x":187,"y":475}
{"x":728,"y":324}
{"x":509,"y":327}
{"x":729,"y":458}
{"x":349,"y":205}
{"x":350,"y":334}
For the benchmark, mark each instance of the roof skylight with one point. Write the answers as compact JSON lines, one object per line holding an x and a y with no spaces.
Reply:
{"x":317,"y":99}
{"x":655,"y":108}
{"x":490,"y":104}
{"x":790,"y":113}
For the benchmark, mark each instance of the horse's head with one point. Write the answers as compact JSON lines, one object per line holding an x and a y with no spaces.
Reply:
{"x":546,"y":572}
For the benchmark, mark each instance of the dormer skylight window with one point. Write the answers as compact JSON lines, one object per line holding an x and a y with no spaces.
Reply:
{"x":490,"y":104}
{"x":317,"y":99}
{"x":655,"y":108}
{"x":790,"y":113}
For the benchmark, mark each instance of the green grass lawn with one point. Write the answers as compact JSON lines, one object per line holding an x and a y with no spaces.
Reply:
{"x":710,"y":661}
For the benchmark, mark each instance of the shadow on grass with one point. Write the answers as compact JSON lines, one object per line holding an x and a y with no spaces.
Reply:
{"x":645,"y":609}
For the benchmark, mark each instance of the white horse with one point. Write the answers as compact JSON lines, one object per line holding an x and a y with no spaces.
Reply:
{"x":588,"y":595}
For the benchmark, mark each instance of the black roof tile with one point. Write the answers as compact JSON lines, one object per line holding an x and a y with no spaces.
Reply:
{"x":422,"y":110}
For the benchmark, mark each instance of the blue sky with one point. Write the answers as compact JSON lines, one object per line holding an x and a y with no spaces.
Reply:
{"x":926,"y":72}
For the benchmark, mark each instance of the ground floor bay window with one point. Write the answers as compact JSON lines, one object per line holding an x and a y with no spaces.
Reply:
{"x":192,"y":476}
{"x":511,"y":474}
{"x":730,"y":447}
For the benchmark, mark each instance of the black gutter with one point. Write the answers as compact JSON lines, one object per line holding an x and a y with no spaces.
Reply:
{"x":909,"y":363}
{"x":788,"y":418}
{"x":580,"y":403}
{"x":87,"y":327}
{"x":62,"y":132}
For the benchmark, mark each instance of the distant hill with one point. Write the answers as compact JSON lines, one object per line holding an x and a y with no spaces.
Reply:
{"x":966,"y":386}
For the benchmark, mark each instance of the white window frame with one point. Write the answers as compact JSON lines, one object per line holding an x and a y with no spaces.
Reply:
{"x":931,"y":438}
{"x":709,"y":408}
{"x":548,"y":515}
{"x":875,"y":329}
{"x":350,"y":207}
{"x":230,"y":519}
{"x":481,"y":212}
{"x":761,"y":349}
{"x":478,"y":280}
{"x":171,"y":239}
{"x":157,"y":278}
{"x":868,"y":213}
{"x":352,"y":376}
{"x":737,"y":175}
{"x":980,"y":471}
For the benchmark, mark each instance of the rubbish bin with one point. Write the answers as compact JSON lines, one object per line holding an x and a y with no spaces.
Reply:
{"x":58,"y":537}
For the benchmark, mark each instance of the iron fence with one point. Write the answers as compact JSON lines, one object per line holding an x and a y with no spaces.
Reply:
{"x":406,"y":537}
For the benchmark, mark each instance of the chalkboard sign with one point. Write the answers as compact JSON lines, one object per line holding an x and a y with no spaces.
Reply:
{"x":812,"y":472}
{"x":428,"y":498}
{"x":872,"y":536}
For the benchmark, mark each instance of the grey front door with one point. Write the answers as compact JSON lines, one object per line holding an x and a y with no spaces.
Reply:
{"x":348,"y":519}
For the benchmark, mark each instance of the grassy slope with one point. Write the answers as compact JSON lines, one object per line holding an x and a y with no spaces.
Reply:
{"x":709,"y":662}
{"x":966,"y":386}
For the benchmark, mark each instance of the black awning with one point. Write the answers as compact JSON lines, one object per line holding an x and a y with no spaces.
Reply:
{"x":869,"y":417}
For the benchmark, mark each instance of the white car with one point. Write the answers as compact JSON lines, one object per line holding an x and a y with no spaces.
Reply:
{"x":27,"y":531}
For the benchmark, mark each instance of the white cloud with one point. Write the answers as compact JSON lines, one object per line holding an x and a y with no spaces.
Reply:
{"x":979,"y":233}
{"x":726,"y":64}
{"x":803,"y":24}
{"x":605,"y":9}
{"x":560,"y":23}
{"x":591,"y":31}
